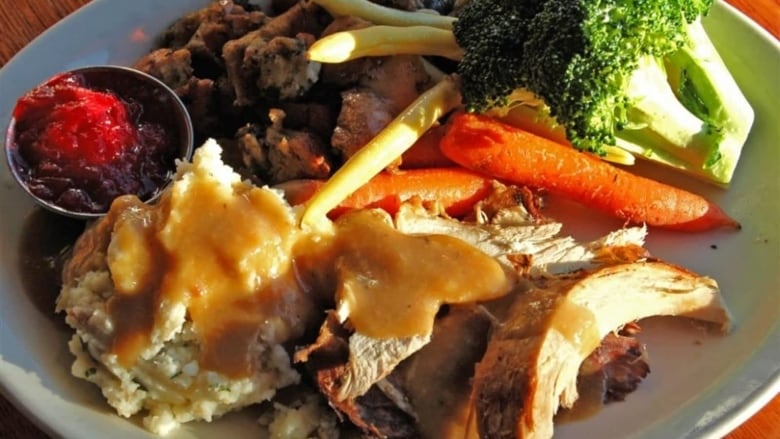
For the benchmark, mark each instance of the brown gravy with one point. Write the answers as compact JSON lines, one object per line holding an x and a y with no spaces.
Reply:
{"x":394,"y":284}
{"x":133,"y":307}
{"x":231,"y":260}
{"x":46,"y":239}
{"x":222,"y":253}
{"x":591,"y":388}
{"x":438,"y":377}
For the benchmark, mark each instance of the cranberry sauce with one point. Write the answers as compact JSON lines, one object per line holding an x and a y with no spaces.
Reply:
{"x":83,"y":138}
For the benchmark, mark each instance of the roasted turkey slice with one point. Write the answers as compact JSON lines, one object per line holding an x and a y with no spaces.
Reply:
{"x":530,"y":367}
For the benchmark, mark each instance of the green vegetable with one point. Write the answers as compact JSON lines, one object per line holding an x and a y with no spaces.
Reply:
{"x":642,"y":75}
{"x":639,"y":75}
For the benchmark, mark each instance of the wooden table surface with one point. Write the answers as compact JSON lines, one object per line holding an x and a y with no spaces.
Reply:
{"x":23,"y":20}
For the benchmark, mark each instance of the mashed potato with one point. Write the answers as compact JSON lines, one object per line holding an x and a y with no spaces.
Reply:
{"x":180,"y":312}
{"x":308,"y":416}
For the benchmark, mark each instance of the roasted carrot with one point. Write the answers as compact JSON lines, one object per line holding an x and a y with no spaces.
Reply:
{"x":512,"y":155}
{"x":425,"y":153}
{"x":455,"y":189}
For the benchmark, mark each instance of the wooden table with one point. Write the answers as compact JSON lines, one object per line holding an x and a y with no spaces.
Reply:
{"x":22,"y":20}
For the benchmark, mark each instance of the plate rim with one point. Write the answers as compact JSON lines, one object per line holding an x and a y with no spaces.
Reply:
{"x":724,"y":423}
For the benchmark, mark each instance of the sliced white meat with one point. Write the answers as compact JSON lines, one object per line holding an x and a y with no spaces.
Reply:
{"x":532,"y":361}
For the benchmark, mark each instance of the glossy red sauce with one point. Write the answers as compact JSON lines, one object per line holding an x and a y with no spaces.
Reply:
{"x":79,"y":145}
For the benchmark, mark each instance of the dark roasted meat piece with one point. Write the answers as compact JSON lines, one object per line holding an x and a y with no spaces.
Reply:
{"x":348,"y":73}
{"x":373,"y":412}
{"x":622,"y":360}
{"x":319,"y":118}
{"x":278,"y":154}
{"x":363,"y":114}
{"x":383,"y":91}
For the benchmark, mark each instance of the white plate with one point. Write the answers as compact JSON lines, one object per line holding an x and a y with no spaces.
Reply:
{"x":700,"y":386}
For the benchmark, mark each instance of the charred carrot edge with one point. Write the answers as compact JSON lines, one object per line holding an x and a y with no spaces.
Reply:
{"x":455,"y":189}
{"x":507,"y":153}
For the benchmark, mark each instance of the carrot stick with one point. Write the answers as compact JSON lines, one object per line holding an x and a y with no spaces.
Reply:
{"x":516,"y":156}
{"x":425,"y":153}
{"x":455,"y":189}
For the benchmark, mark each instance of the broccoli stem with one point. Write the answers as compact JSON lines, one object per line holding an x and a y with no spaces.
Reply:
{"x":657,"y":120}
{"x":688,"y":113}
{"x":703,"y":83}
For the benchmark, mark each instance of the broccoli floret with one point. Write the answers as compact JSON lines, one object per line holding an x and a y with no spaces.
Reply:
{"x":641,"y":75}
{"x":619,"y":78}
